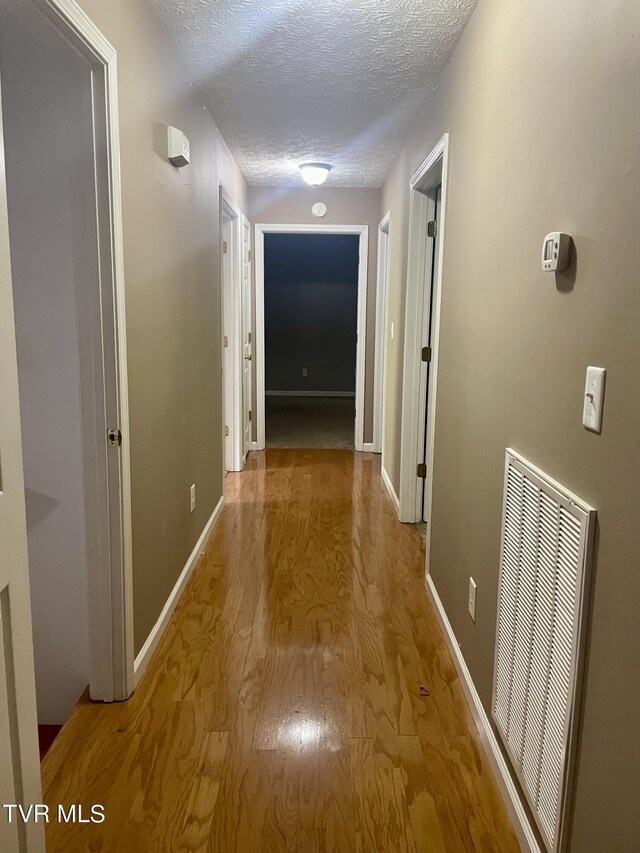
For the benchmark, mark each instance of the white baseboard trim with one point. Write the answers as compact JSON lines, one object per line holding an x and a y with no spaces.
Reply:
{"x":310,"y":393}
{"x":367,"y":447}
{"x":144,"y":655}
{"x":392,"y":492}
{"x":510,"y":795}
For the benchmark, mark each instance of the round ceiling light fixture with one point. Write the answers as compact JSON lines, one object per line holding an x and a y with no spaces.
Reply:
{"x":315,"y":173}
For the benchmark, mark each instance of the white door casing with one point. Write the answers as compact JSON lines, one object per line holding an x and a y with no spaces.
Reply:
{"x":105,"y":391}
{"x":382,"y":290}
{"x":233,"y":364}
{"x":110,"y":569}
{"x":19,"y":757}
{"x":432,"y":172}
{"x":362,"y":231}
{"x":424,"y":427}
{"x":227,"y":366}
{"x":247,"y":357}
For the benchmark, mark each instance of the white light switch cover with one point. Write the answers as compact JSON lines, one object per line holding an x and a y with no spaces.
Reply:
{"x":594,"y":398}
{"x":473,"y":589}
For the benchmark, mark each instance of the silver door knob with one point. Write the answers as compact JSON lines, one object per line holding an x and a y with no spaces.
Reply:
{"x":247,"y":357}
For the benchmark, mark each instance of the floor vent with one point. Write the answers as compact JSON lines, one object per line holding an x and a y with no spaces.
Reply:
{"x":545,"y":559}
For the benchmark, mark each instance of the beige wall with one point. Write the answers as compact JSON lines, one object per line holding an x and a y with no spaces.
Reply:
{"x":542,"y":103}
{"x":292,"y":206}
{"x":172,"y":271}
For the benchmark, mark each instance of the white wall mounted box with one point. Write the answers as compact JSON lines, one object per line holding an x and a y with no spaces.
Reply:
{"x":556,"y":251}
{"x":177,"y":147}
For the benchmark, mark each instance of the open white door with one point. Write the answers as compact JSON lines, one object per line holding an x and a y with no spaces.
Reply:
{"x":19,"y":758}
{"x":246,"y":338}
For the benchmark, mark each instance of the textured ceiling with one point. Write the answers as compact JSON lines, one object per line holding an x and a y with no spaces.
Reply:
{"x":340,"y":81}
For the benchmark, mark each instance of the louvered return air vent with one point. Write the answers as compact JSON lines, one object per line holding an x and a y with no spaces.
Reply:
{"x":547,"y":536}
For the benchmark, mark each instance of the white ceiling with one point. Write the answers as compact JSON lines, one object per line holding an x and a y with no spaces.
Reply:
{"x":340,"y":81}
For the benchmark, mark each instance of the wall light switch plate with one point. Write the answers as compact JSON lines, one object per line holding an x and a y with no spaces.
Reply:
{"x":472,"y":598}
{"x":305,"y":372}
{"x":193,"y":497}
{"x":594,"y":398}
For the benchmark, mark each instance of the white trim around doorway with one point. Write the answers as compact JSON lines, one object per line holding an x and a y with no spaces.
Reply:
{"x":231,"y":337}
{"x":432,"y":172}
{"x":382,"y":289}
{"x":110,"y":568}
{"x":362,"y":231}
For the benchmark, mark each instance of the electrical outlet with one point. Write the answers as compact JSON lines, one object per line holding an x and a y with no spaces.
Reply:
{"x":193,"y":497}
{"x":305,"y":372}
{"x":472,"y":599}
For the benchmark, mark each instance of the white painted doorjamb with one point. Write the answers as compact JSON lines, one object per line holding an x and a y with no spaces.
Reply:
{"x":232,"y":329}
{"x":363,"y":232}
{"x":247,"y":345}
{"x":110,"y":582}
{"x":433,"y":171}
{"x":382,"y":288}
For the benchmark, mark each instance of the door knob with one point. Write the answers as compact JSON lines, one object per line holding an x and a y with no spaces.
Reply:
{"x":247,"y":357}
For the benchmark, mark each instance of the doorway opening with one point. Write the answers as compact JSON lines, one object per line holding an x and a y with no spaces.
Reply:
{"x":310,"y":316}
{"x":310,"y":335}
{"x":422,"y":331}
{"x":63,"y":203}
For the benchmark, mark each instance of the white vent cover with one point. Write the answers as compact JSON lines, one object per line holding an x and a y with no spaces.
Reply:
{"x":546,"y":551}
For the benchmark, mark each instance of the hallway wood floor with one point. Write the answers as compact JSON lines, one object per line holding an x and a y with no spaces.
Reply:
{"x":284,"y":709}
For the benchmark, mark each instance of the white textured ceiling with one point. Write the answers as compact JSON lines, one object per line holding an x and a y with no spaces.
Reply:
{"x":340,"y":81}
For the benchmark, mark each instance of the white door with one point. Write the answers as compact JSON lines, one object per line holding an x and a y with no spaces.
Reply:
{"x":246,"y":337}
{"x":433,"y":260}
{"x":19,"y":758}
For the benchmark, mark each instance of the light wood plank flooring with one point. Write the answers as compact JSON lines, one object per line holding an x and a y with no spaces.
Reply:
{"x":302,"y":699}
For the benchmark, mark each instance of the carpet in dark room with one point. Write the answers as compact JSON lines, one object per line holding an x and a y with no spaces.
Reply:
{"x":298,"y":422}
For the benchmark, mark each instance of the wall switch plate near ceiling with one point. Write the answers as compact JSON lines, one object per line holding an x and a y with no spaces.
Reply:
{"x":594,"y":398}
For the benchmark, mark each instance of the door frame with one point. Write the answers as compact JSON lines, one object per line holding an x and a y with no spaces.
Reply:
{"x":362,"y":231}
{"x":231,"y":293}
{"x":432,"y":172}
{"x":382,"y":297}
{"x":110,"y":568}
{"x":246,"y":305}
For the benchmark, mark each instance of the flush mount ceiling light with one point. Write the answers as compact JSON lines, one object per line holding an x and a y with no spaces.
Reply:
{"x":315,"y":173}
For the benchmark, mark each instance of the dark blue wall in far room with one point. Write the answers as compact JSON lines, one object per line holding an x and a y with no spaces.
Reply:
{"x":310,"y":311}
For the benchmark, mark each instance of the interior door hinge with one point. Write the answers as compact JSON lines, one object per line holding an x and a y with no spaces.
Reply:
{"x":249,"y":255}
{"x":249,"y":337}
{"x":226,"y":341}
{"x":426,"y":354}
{"x":225,"y":248}
{"x":226,"y":430}
{"x":422,"y":471}
{"x":114,"y":437}
{"x":250,"y":413}
{"x":432,"y":228}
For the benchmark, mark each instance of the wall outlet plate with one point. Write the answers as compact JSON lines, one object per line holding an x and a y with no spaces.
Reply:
{"x":472,"y":599}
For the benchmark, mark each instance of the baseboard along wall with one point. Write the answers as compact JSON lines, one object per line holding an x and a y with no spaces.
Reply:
{"x":386,"y":479}
{"x":517,"y":812}
{"x":151,"y":643}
